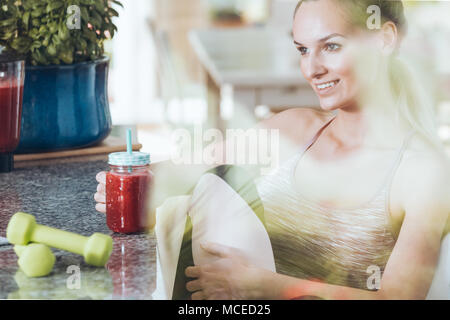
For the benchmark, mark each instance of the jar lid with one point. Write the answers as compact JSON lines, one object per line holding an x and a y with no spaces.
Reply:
{"x":126,"y":159}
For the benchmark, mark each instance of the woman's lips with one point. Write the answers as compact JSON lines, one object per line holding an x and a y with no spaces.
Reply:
{"x":326,"y":87}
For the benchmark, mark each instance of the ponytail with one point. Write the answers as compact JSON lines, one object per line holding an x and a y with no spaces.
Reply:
{"x":415,"y":105}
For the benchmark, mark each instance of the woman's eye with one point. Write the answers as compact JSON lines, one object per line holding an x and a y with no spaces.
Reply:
{"x":332,"y":46}
{"x":302,"y":50}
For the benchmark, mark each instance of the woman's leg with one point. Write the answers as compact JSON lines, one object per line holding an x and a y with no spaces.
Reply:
{"x":226,"y":209}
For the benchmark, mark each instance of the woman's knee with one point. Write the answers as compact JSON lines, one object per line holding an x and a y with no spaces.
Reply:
{"x":243,"y":184}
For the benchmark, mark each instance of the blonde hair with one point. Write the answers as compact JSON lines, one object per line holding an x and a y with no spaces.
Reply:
{"x":415,"y":104}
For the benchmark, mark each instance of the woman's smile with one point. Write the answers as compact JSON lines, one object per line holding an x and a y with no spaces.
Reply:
{"x":325,"y":88}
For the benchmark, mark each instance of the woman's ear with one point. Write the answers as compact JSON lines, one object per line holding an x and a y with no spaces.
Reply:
{"x":389,"y":37}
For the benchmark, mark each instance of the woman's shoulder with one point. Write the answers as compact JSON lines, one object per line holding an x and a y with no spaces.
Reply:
{"x":303,"y":114}
{"x":298,"y":124}
{"x":421,"y":154}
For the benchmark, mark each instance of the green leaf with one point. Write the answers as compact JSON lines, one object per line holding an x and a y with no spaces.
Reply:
{"x":84,"y":14}
{"x":82,"y":43}
{"x":6,"y":35}
{"x":118,"y":3}
{"x":26,"y":19}
{"x":54,"y":5}
{"x":28,"y":5}
{"x":46,"y":40}
{"x":63,"y":32}
{"x":53,"y":27}
{"x":113,"y":12}
{"x":34,"y":33}
{"x":37,"y":13}
{"x":35,"y":45}
{"x":96,"y":19}
{"x":66,"y":56}
{"x":7,"y":22}
{"x":56,"y":40}
{"x":43,"y":29}
{"x":21,"y":44}
{"x":99,"y":6}
{"x":51,"y":50}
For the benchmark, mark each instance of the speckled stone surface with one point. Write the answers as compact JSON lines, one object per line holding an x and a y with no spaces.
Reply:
{"x":60,"y":194}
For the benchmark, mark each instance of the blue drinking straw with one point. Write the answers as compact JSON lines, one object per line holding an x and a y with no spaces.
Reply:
{"x":129,"y":147}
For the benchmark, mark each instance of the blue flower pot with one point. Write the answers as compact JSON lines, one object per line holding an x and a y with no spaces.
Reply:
{"x":65,"y":107}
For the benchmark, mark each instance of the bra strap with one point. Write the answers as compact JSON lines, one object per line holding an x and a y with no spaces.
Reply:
{"x":316,"y":136}
{"x":390,"y":179}
{"x":399,"y":157}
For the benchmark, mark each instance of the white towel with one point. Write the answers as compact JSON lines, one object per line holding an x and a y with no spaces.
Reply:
{"x":218,"y":215}
{"x":169,"y":230}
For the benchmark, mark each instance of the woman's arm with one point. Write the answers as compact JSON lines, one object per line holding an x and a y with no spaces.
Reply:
{"x":231,"y":278}
{"x":281,"y":287}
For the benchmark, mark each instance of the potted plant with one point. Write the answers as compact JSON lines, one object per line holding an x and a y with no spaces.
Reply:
{"x":65,"y":101}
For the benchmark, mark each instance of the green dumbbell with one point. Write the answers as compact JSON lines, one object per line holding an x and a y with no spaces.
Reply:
{"x":22,"y":229}
{"x":35,"y":259}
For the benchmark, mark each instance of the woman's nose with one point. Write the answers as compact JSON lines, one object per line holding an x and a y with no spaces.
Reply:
{"x":313,"y":67}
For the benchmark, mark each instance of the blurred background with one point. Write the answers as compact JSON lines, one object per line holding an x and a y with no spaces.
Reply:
{"x":178,"y":63}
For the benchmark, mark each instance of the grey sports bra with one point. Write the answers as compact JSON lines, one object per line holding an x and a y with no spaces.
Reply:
{"x":336,"y":246}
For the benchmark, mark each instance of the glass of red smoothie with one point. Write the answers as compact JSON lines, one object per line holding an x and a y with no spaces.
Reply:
{"x":128,"y":187}
{"x":11,"y":91}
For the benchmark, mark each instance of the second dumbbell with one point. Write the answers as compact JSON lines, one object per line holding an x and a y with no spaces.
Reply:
{"x":96,"y":249}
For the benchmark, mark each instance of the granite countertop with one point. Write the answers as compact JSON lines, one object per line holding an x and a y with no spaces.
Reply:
{"x":60,"y":194}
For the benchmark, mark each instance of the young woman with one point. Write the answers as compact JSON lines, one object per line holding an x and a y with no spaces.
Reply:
{"x":365,"y":194}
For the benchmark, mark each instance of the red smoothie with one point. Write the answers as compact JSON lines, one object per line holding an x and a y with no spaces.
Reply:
{"x":127,"y":199}
{"x":10,"y":115}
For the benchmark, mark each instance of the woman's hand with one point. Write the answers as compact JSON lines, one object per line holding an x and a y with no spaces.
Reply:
{"x":100,"y":196}
{"x":229,"y":277}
